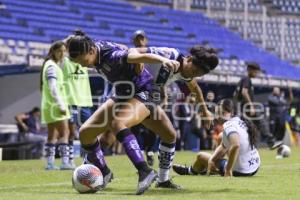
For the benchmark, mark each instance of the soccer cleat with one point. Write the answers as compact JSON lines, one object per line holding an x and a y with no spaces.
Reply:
{"x":168,"y":184}
{"x":150,"y":158}
{"x":145,"y":180}
{"x":107,"y":179}
{"x":181,"y":170}
{"x":51,"y":167}
{"x":67,"y":166}
{"x":275,"y":145}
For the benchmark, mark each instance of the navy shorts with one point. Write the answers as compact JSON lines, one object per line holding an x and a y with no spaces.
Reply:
{"x":223,"y":164}
{"x":79,"y":114}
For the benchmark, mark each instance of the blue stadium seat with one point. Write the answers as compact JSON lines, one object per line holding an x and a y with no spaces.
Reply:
{"x":47,"y":20}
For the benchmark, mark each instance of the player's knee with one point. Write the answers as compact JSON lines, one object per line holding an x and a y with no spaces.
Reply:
{"x":169,"y":137}
{"x":200,"y":156}
{"x":83,"y":133}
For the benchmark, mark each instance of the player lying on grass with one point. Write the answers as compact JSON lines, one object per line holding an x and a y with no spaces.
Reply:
{"x":238,"y":143}
{"x":137,"y":104}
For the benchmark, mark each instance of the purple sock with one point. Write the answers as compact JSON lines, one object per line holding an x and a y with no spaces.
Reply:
{"x":132,"y":149}
{"x":95,"y":156}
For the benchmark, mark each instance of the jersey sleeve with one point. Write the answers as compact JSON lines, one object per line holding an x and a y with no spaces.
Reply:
{"x":245,"y":83}
{"x":51,"y":72}
{"x":170,"y":53}
{"x":229,"y":128}
{"x":119,"y":56}
{"x":113,"y":52}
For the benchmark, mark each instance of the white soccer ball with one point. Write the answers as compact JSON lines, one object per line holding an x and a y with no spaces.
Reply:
{"x":87,"y":179}
{"x":284,"y":151}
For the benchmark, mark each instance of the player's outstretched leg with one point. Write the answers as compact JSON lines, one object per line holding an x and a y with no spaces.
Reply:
{"x":199,"y":166}
{"x":164,"y":128}
{"x":146,"y":175}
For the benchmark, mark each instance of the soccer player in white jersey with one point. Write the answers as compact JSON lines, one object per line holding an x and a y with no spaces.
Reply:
{"x":238,"y":143}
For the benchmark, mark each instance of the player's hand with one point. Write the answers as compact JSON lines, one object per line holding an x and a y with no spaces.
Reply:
{"x":207,"y":119}
{"x":228,"y":173}
{"x":25,"y":127}
{"x":211,"y":167}
{"x":172,"y":64}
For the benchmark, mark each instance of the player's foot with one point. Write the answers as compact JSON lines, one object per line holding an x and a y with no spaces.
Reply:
{"x":275,"y":145}
{"x":146,"y":178}
{"x":107,"y":179}
{"x":168,"y":184}
{"x":51,"y":167}
{"x":66,"y":166}
{"x":181,"y":170}
{"x":150,"y":158}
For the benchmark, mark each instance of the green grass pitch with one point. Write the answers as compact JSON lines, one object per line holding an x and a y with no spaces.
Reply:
{"x":276,"y":180}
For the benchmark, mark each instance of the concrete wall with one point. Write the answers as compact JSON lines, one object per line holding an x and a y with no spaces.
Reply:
{"x":18,"y":93}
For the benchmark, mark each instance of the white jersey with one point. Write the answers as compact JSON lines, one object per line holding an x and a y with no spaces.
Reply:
{"x":163,"y":76}
{"x":248,"y":159}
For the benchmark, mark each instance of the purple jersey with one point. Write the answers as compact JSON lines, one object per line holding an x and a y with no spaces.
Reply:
{"x":112,"y":63}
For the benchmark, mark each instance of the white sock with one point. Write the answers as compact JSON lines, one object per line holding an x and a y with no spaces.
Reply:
{"x":165,"y":157}
{"x":64,"y":152}
{"x":50,"y":153}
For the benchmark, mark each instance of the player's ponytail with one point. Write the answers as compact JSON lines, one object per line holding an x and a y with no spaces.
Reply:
{"x":252,"y":131}
{"x":203,"y":57}
{"x":56,"y":45}
{"x":79,"y":44}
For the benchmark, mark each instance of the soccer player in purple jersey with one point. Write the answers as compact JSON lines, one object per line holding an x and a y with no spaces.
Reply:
{"x":118,"y":64}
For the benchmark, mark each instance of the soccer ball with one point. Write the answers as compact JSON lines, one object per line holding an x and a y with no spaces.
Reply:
{"x":284,"y":151}
{"x":87,"y":179}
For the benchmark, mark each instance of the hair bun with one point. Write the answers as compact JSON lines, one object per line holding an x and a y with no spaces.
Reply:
{"x":212,"y":61}
{"x":211,"y":50}
{"x":79,"y":32}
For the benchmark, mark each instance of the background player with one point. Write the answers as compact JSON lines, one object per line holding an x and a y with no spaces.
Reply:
{"x":79,"y":98}
{"x":244,"y":94}
{"x":54,"y":109}
{"x":238,"y":142}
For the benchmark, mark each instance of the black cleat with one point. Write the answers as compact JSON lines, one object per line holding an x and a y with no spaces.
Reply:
{"x":146,"y":178}
{"x":107,"y":179}
{"x":181,"y":170}
{"x":168,"y":184}
{"x":275,"y":145}
{"x":150,"y":158}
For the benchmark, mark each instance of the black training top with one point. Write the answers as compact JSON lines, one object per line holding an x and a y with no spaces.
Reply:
{"x":245,"y":82}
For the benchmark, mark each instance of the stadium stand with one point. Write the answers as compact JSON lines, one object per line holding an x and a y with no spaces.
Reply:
{"x":27,"y":27}
{"x":255,"y":28}
{"x":287,"y":6}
